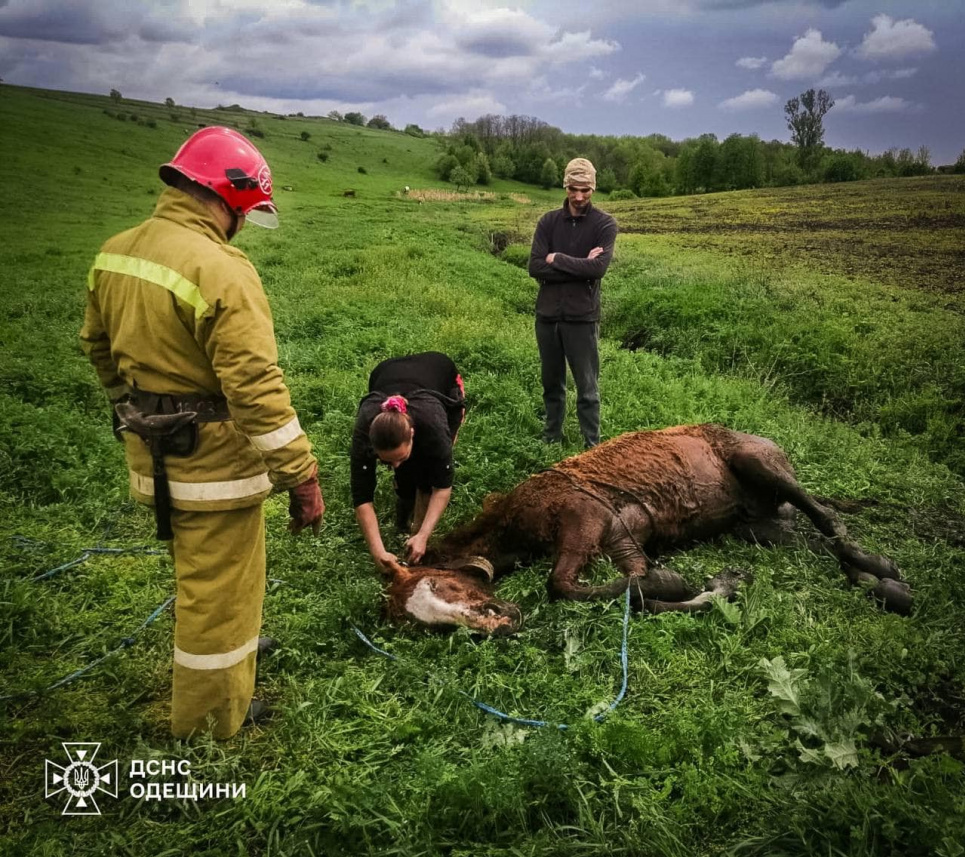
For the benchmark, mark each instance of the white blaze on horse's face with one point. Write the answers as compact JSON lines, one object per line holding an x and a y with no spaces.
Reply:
{"x":429,"y":605}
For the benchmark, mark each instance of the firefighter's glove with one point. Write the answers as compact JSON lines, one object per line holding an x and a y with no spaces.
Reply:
{"x":305,"y":505}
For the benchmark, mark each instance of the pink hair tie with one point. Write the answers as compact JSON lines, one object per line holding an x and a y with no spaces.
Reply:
{"x":394,"y":403}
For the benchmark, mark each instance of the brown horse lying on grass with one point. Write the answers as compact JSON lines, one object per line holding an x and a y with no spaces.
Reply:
{"x":641,"y":491}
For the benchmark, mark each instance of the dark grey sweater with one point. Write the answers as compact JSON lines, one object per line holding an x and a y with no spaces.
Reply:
{"x":569,"y":289}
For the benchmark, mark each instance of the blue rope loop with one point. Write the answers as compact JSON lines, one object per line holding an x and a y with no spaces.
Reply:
{"x":33,"y":544}
{"x":525,"y":721}
{"x":124,"y":644}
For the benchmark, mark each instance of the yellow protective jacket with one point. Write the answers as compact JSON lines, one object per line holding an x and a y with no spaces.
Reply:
{"x":173,"y":308}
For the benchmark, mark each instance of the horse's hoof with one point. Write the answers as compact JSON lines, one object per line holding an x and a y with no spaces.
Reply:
{"x":881,"y":567}
{"x":726,"y":582}
{"x":894,"y":595}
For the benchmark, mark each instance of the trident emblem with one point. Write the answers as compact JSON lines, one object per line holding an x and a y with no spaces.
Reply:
{"x":81,"y":778}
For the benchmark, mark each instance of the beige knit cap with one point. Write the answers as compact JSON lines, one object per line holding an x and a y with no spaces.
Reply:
{"x":580,"y":172}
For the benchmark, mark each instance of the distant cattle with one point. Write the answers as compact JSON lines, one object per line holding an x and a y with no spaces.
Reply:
{"x":633,"y":495}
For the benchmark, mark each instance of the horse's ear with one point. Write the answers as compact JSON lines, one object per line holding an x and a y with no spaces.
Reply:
{"x":395,"y":570}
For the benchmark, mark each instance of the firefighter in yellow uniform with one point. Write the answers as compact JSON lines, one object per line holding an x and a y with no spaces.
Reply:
{"x":179,"y":331}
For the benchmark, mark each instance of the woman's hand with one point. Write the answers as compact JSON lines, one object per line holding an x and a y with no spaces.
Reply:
{"x":415,"y":547}
{"x":384,"y":560}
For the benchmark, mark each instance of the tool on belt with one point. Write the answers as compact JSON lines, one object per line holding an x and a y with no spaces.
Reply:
{"x":168,"y":424}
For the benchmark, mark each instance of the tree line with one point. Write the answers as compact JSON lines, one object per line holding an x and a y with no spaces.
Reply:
{"x":529,"y":150}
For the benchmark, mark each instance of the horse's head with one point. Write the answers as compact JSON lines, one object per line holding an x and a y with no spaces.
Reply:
{"x":458,"y":595}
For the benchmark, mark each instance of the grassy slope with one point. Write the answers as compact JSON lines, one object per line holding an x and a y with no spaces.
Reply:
{"x":365,"y":756}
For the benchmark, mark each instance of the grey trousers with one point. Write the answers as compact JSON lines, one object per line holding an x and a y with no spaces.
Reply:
{"x":576,"y":343}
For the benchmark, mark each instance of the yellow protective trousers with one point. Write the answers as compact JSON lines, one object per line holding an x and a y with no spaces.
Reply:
{"x":219,"y":562}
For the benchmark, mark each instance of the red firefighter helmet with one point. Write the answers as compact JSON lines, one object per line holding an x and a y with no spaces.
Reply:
{"x":227,"y":162}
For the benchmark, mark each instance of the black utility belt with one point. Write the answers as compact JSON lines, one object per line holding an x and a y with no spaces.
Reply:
{"x":168,"y":424}
{"x":207,"y":408}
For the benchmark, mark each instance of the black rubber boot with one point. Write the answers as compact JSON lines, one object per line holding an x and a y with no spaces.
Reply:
{"x":257,"y":713}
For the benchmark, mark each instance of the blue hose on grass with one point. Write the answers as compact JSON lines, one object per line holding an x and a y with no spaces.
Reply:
{"x":524,"y":721}
{"x":127,"y":642}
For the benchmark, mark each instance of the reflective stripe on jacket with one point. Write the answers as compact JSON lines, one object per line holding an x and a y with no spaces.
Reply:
{"x":173,"y":308}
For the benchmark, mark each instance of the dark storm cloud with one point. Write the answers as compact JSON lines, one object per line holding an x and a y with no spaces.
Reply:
{"x":749,"y":4}
{"x":168,"y":31}
{"x":52,"y":23}
{"x":355,"y":89}
{"x":497,"y":45}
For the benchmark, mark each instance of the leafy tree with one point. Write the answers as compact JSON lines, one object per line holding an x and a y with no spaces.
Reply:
{"x":461,"y":178}
{"x":805,"y":119}
{"x":606,"y":180}
{"x":503,"y":166}
{"x":839,"y":167}
{"x":484,"y":173}
{"x":355,"y":118}
{"x":414,"y":131}
{"x":169,"y":102}
{"x":684,"y":181}
{"x":550,"y":174}
{"x":445,"y":165}
{"x":335,"y":116}
{"x":305,"y":136}
{"x":380,"y":122}
{"x":704,"y":166}
{"x":960,"y":163}
{"x":741,"y":163}
{"x":116,"y":96}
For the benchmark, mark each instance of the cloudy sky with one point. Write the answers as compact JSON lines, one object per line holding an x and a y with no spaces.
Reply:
{"x":677,"y":67}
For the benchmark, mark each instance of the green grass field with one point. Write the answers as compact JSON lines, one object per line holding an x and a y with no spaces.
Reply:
{"x":756,"y":728}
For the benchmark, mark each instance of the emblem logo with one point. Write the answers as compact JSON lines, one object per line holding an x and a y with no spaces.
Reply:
{"x":264,"y":179}
{"x":81,"y":778}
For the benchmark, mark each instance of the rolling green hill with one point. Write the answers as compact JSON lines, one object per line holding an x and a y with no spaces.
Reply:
{"x":772,"y":725}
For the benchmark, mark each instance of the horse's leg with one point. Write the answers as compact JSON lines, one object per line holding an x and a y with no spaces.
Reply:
{"x":584,"y":524}
{"x":723,"y":585}
{"x":657,"y":589}
{"x":763,"y":469}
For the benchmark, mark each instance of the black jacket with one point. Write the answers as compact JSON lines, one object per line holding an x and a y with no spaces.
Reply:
{"x":569,"y":289}
{"x":429,"y":383}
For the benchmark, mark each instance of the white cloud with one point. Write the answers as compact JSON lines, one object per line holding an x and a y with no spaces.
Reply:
{"x":810,"y":55}
{"x":751,"y":63}
{"x":596,"y":73}
{"x":890,"y":39}
{"x":837,"y":79}
{"x":753,"y":99}
{"x":885,"y":104}
{"x":470,"y":106}
{"x":576,"y":47}
{"x":540,"y":90}
{"x":677,"y":98}
{"x":622,"y":88}
{"x":897,"y":74}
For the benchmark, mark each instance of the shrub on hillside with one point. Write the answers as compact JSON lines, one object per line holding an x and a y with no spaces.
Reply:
{"x":445,"y":165}
{"x":379,"y":122}
{"x":305,"y":136}
{"x":840,"y":168}
{"x":516,"y":254}
{"x":623,"y":193}
{"x":363,"y":171}
{"x":322,"y":156}
{"x":461,"y":177}
{"x":484,"y":173}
